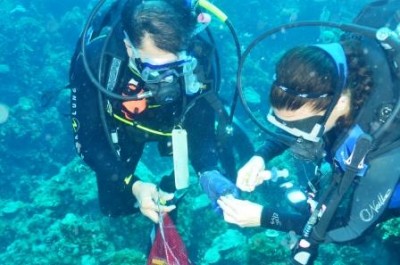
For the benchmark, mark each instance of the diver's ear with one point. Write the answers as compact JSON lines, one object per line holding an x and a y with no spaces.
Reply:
{"x":343,"y":104}
{"x":128,"y":47}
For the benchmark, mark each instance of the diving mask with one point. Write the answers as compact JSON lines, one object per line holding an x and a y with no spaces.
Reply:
{"x":308,"y":128}
{"x":152,"y":73}
{"x":164,"y":81}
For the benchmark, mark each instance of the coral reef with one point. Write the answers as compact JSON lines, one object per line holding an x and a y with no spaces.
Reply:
{"x":224,"y":243}
{"x":48,"y":198}
{"x":264,"y":249}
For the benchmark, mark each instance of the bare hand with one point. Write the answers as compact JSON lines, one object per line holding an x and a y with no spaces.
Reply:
{"x":252,"y":174}
{"x":240,"y":212}
{"x":149,"y":199}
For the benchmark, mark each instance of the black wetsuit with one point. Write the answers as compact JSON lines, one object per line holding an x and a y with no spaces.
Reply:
{"x":92,"y":140}
{"x":372,"y":200}
{"x":278,"y":218}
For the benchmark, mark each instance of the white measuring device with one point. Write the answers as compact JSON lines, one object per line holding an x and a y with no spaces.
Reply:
{"x":181,"y":158}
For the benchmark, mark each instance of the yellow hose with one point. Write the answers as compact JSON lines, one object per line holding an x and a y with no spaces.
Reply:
{"x":213,"y":9}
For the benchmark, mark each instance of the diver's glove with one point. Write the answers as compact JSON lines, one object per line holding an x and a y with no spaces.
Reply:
{"x":215,"y":185}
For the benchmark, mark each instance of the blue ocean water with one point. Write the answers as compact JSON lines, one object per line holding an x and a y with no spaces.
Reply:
{"x":48,"y":197}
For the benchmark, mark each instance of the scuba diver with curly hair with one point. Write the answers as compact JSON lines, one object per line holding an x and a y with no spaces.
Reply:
{"x":339,"y":103}
{"x":303,"y":90}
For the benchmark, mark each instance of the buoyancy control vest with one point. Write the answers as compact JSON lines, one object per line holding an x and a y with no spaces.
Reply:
{"x":376,"y":190}
{"x":384,"y":60}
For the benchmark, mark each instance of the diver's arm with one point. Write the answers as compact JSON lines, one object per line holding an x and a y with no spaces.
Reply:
{"x":199,"y":124}
{"x":283,"y":221}
{"x":200,"y":119}
{"x":114,"y":177}
{"x":254,"y":173}
{"x":271,"y":148}
{"x":245,"y":213}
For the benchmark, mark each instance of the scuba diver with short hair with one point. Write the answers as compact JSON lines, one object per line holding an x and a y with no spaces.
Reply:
{"x":339,"y":103}
{"x":144,"y":73}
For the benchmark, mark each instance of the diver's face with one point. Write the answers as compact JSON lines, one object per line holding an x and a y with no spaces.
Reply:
{"x":304,"y":112}
{"x":306,"y":117}
{"x":149,"y":52}
{"x":160,"y":70}
{"x":303,"y":122}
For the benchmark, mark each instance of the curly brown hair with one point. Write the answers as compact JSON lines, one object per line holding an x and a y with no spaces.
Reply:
{"x":308,"y":70}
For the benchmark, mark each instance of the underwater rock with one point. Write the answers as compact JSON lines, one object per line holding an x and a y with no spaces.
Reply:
{"x":229,"y":240}
{"x":4,"y":68}
{"x":18,"y":9}
{"x":212,"y":256}
{"x":70,"y":219}
{"x":25,"y":104}
{"x":262,"y":247}
{"x":200,"y":202}
{"x":126,"y":256}
{"x":12,"y":207}
{"x":271,"y":233}
{"x":88,"y":260}
{"x":389,"y":230}
{"x":4,"y":113}
{"x":290,"y":240}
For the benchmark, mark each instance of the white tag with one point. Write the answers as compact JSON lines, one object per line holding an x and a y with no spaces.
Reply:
{"x":181,"y":158}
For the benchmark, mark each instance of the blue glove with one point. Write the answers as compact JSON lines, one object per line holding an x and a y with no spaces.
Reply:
{"x":215,"y":185}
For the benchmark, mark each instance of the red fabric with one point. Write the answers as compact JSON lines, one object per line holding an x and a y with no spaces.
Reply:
{"x":170,"y":250}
